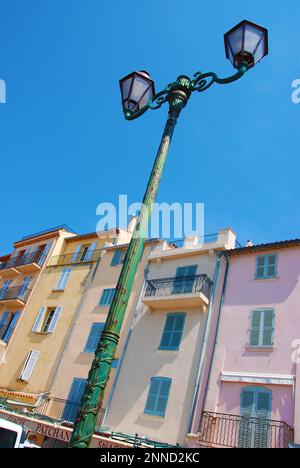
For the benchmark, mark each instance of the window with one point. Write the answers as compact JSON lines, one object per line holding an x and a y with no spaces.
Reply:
{"x":94,"y":337}
{"x":266,"y":266}
{"x":74,"y":399}
{"x":256,"y":402}
{"x":172,"y":333}
{"x":158,"y":396}
{"x":63,"y":279}
{"x":184,"y":280}
{"x":115,"y":363}
{"x":262,"y":328}
{"x":47,"y":319}
{"x":8,"y":324}
{"x":29,"y":365}
{"x":118,"y":257}
{"x":106,"y":297}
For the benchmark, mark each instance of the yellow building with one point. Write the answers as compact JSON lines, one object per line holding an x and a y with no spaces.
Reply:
{"x":50,"y":311}
{"x":19,"y":273}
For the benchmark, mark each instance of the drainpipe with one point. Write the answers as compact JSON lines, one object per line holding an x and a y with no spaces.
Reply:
{"x":218,"y":328}
{"x":200,"y":367}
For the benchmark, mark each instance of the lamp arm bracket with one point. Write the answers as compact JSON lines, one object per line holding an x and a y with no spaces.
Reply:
{"x":203,"y":81}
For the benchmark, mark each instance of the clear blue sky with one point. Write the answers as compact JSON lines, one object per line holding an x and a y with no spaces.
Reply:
{"x":65,"y":146}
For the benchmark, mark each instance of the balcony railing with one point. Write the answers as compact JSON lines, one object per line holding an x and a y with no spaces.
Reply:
{"x":226,"y":430}
{"x":207,"y":239}
{"x":75,"y":259}
{"x":179,"y":285}
{"x":64,"y":411}
{"x":33,"y":257}
{"x":17,"y":293}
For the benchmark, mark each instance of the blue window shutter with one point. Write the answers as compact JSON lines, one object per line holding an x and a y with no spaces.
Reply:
{"x":11,"y":326}
{"x":54,"y":320}
{"x":266,"y":266}
{"x":173,"y":330}
{"x":76,"y":253}
{"x":39,"y":318}
{"x":94,"y":337}
{"x":158,"y":396}
{"x":116,"y":260}
{"x":106,"y":297}
{"x":74,"y":399}
{"x":271,"y":266}
{"x":4,"y":318}
{"x":115,"y":363}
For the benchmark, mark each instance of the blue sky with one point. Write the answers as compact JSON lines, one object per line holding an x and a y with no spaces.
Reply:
{"x":65,"y":146}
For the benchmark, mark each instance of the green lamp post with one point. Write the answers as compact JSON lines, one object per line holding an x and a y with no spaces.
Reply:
{"x":245,"y":45}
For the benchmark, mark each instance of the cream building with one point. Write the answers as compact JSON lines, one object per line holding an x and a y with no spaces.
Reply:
{"x":77,"y":357}
{"x":163,"y":368}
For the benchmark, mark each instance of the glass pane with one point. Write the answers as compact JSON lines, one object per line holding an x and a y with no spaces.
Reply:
{"x":252,"y":38}
{"x":267,"y":337}
{"x":235,"y":39}
{"x":126,"y":88}
{"x":146,"y":98}
{"x":139,"y":87}
{"x":268,"y":321}
{"x":260,"y":261}
{"x":260,"y":272}
{"x":260,"y":51}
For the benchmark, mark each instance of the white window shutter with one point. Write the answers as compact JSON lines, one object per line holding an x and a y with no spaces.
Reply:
{"x":29,"y":366}
{"x":63,"y":279}
{"x":76,"y":253}
{"x":55,"y":318}
{"x":39,"y":317}
{"x":90,"y":251}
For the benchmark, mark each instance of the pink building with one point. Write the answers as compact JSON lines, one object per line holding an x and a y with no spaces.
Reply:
{"x":253,"y":383}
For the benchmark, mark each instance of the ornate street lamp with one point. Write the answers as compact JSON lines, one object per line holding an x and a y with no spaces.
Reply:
{"x":245,"y":44}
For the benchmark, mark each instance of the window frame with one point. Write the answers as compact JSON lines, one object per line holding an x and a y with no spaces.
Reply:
{"x":155,"y":412}
{"x":262,"y":328}
{"x":169,"y":347}
{"x":266,"y":266}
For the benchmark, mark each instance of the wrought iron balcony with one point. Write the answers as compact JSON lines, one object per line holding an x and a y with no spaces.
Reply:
{"x":227,"y":430}
{"x":72,"y":259}
{"x":186,"y":291}
{"x":15,"y":296}
{"x":31,"y":261}
{"x":64,"y":411}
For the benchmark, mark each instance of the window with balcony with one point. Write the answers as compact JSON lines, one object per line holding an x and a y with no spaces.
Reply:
{"x":158,"y":396}
{"x":172,"y":332}
{"x":266,"y":266}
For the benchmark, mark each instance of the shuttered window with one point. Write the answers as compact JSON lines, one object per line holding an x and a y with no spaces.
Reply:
{"x":74,"y":399}
{"x":63,"y":279}
{"x":158,"y":396}
{"x":94,"y":337}
{"x":118,"y":257}
{"x":173,"y":330}
{"x":106,"y":297}
{"x":29,"y":365}
{"x":262,"y":328}
{"x":266,"y":266}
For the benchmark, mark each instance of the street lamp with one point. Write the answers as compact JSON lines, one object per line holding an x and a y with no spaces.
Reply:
{"x":245,"y":44}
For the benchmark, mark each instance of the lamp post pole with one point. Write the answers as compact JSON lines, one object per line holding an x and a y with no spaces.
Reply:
{"x":176,"y":95}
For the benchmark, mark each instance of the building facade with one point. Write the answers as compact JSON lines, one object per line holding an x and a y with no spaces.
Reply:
{"x":35,"y":349}
{"x":162,"y":368}
{"x":254,"y":386}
